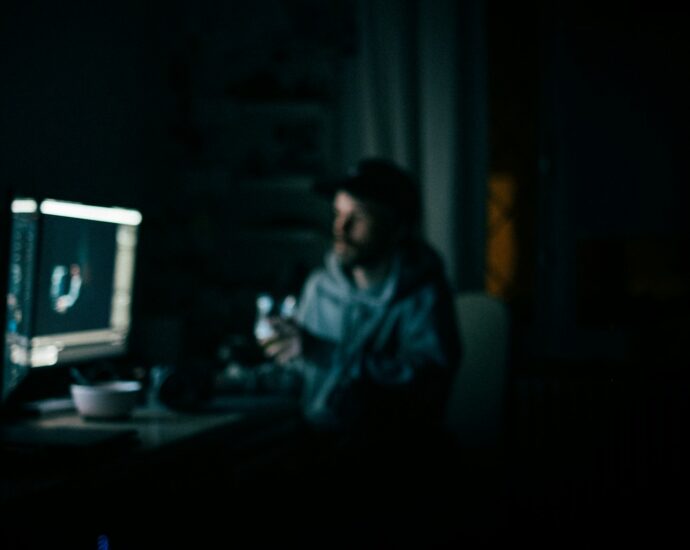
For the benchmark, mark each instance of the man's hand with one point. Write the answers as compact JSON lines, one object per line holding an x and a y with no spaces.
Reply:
{"x":286,"y":344}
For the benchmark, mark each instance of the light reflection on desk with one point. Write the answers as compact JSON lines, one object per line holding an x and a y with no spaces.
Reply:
{"x":158,"y":426}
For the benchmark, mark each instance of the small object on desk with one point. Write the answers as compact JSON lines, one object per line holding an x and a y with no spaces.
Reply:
{"x":79,"y":378}
{"x":106,"y":400}
{"x":233,"y":378}
{"x":50,"y":405}
{"x":266,"y":378}
{"x":157,"y":376}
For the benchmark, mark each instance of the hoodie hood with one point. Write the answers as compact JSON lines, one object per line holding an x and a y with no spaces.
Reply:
{"x":412,"y":267}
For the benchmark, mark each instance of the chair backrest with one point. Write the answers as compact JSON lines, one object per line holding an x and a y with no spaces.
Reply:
{"x":476,"y":402}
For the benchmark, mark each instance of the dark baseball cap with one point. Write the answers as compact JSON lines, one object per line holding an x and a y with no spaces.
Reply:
{"x":381,"y":181}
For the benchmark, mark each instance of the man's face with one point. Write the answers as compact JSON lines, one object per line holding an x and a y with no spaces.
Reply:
{"x":363,"y":232}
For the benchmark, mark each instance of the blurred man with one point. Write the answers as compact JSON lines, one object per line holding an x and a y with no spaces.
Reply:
{"x":375,"y":334}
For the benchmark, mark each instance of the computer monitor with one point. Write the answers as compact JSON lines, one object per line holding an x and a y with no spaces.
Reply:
{"x":69,"y":288}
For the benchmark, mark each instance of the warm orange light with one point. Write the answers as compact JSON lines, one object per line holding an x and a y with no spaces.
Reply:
{"x":501,"y":242}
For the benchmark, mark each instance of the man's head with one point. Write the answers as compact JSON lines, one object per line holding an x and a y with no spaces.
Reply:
{"x":375,"y":208}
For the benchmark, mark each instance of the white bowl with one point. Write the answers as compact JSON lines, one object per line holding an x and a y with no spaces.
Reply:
{"x":114,"y":399}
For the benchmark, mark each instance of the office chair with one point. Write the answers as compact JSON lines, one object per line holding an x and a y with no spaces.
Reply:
{"x":474,"y":416}
{"x":470,"y":472}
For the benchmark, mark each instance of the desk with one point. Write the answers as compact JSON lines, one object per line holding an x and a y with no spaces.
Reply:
{"x":182,"y":461}
{"x":158,"y":427}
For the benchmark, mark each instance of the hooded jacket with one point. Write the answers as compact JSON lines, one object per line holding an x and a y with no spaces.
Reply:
{"x":381,"y":357}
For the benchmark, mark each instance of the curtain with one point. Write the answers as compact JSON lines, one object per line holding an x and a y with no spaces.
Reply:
{"x":415,"y":92}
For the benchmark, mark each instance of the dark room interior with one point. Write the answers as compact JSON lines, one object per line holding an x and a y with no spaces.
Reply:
{"x":550,"y":143}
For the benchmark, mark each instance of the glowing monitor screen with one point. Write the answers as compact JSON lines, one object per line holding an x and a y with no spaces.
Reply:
{"x":69,"y":285}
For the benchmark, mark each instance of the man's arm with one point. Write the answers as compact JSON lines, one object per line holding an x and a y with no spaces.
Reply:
{"x":428,"y":343}
{"x":291,"y":341}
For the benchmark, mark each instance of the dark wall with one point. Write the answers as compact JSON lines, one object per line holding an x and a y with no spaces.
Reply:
{"x":620,"y":112}
{"x":589,"y":114}
{"x":82,"y":101}
{"x":624,"y":93}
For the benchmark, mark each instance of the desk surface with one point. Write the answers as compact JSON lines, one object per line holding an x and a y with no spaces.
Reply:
{"x":235,"y":422}
{"x":158,"y":426}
